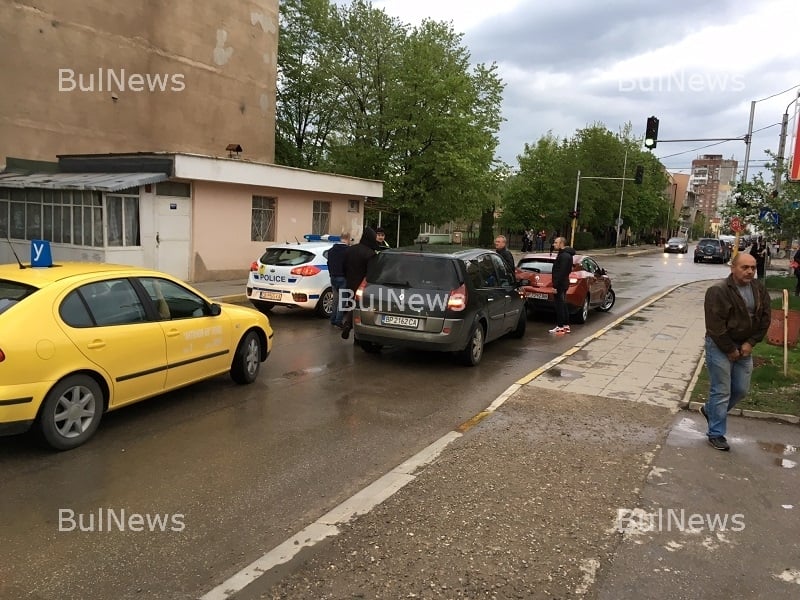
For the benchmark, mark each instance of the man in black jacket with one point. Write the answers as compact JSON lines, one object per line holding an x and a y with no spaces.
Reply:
{"x":501,"y":247}
{"x":356,"y":260}
{"x":562,"y":267}
{"x":738,"y":313}
{"x":338,"y":281}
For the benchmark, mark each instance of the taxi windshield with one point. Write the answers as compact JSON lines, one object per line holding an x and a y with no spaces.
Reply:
{"x":11,"y":292}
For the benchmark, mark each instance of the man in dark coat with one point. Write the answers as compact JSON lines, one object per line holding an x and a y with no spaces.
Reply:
{"x":356,"y":260}
{"x":562,"y":267}
{"x":501,"y":247}
{"x":336,"y":270}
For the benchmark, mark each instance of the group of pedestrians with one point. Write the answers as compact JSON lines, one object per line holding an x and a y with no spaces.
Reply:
{"x":347,"y":265}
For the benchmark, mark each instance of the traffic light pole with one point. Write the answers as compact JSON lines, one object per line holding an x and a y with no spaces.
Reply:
{"x":578,"y":186}
{"x":575,"y":211}
{"x":621,"y":194}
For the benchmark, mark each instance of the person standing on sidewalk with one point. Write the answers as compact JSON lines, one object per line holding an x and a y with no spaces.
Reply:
{"x":796,"y":260}
{"x":336,"y":270}
{"x":356,"y":261}
{"x":737,"y":314}
{"x":562,"y":267}
{"x":760,"y":251}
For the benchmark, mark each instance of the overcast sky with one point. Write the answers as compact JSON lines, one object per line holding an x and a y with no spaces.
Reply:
{"x":695,"y":65}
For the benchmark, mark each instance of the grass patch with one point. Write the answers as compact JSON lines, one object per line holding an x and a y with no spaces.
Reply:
{"x":770,"y":390}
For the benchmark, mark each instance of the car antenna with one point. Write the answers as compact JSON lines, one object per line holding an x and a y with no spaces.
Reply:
{"x":19,"y":262}
{"x":296,"y":240}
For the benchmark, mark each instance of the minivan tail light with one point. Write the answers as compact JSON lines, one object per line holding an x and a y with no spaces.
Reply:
{"x":458,"y":299}
{"x":307,"y":271}
{"x":360,"y":290}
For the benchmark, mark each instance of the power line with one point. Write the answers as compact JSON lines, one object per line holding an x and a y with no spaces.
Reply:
{"x":715,"y":144}
{"x":779,"y":93}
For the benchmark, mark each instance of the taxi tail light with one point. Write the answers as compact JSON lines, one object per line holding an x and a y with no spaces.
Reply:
{"x":360,"y":290}
{"x":458,"y":299}
{"x":306,"y":271}
{"x":2,"y":356}
{"x":253,"y":266}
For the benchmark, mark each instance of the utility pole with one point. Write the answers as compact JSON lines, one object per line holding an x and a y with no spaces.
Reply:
{"x":747,"y":139}
{"x":782,"y":145}
{"x":621,"y":194}
{"x":575,"y":218}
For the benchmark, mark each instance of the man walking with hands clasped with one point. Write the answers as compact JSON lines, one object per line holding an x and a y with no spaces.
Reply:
{"x":737,"y":311}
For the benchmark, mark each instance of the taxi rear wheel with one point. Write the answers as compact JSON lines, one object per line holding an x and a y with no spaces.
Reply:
{"x":71,"y":412}
{"x":247,"y":360}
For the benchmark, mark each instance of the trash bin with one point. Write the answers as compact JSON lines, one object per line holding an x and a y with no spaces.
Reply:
{"x":457,"y":237}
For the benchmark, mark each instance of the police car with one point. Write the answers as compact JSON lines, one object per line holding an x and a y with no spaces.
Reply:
{"x":294,"y":275}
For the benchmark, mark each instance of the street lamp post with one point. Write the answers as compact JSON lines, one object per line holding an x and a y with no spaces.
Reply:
{"x":621,"y":195}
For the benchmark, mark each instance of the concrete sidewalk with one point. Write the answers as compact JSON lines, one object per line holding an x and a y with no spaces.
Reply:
{"x":546,"y":493}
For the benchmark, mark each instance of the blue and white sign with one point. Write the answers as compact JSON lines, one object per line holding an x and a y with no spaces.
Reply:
{"x":40,"y":254}
{"x":769,"y":215}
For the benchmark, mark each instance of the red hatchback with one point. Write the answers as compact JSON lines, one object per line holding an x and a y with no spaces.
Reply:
{"x":589,"y":285}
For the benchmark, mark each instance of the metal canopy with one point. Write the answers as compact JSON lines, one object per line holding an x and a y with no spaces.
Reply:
{"x":103,"y":182}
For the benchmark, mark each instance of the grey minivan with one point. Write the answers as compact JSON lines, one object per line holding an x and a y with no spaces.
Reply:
{"x":452,"y":302}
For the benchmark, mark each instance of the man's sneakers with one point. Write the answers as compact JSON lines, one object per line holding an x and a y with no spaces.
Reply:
{"x":557,"y":329}
{"x":719,"y":443}
{"x":346,"y":331}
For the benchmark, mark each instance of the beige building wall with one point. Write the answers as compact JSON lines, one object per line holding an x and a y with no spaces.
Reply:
{"x":215,"y":61}
{"x":222,"y":224}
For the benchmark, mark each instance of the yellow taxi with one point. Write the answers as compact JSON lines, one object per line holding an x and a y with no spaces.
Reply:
{"x":78,"y":339}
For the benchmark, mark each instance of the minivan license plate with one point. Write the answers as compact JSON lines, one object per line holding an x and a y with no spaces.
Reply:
{"x":537,"y":296}
{"x":400,"y":321}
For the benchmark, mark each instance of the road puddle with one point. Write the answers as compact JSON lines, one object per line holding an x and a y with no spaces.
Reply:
{"x":784,"y":451}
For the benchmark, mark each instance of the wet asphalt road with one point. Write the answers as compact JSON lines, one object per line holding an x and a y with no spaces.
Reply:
{"x":233,"y":471}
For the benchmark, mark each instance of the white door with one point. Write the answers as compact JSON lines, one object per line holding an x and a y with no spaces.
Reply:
{"x":173,"y":226}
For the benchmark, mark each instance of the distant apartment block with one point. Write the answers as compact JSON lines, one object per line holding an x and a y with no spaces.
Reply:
{"x":711,"y":183}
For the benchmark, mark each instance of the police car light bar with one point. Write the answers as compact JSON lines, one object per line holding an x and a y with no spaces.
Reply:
{"x":313,"y":237}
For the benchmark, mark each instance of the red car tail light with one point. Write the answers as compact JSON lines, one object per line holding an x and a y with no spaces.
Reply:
{"x":253,"y":266}
{"x":458,"y":299}
{"x":573,"y":280}
{"x":307,"y":271}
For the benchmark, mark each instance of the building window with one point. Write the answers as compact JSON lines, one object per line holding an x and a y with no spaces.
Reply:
{"x":63,"y":216}
{"x":262,"y":227}
{"x":174,"y":188}
{"x":321,"y":217}
{"x":352,"y":206}
{"x":122,"y":213}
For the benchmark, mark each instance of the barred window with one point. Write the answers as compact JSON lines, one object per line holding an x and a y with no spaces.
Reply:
{"x":321,"y":217}
{"x":262,"y":227}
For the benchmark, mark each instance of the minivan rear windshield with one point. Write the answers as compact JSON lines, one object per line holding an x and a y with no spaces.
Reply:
{"x":413,"y":271}
{"x":12,"y":292}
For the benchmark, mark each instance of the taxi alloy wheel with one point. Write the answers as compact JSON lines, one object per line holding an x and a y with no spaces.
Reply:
{"x":247,"y":360}
{"x":71,"y":412}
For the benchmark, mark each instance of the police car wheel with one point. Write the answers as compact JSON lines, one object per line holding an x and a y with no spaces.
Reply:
{"x":325,"y":304}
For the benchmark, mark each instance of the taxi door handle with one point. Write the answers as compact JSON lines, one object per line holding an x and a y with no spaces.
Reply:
{"x":96,"y":344}
{"x":172,"y":332}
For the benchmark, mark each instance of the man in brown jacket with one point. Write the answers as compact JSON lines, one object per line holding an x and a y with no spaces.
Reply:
{"x":737,"y":311}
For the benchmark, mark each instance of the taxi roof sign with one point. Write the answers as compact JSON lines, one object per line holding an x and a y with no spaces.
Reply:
{"x":40,"y":254}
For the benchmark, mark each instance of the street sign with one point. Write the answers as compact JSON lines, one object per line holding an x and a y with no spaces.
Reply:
{"x":767,"y":214}
{"x":736,"y":225}
{"x":619,"y":222}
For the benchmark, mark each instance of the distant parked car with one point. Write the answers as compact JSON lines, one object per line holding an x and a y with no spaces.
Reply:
{"x":676,"y":244}
{"x":712,"y":250}
{"x":589,"y":285}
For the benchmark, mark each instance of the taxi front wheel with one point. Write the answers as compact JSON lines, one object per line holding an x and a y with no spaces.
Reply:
{"x":247,"y":360}
{"x":71,"y":412}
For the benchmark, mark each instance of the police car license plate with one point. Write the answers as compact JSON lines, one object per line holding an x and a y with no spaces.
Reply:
{"x":276,"y":296}
{"x":400,"y":321}
{"x":537,"y":296}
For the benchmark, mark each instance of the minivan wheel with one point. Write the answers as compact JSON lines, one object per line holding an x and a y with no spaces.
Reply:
{"x":325,"y":304}
{"x":519,"y":331}
{"x":472,"y":354}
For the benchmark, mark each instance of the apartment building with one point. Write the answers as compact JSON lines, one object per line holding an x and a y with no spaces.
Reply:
{"x":711,"y":182}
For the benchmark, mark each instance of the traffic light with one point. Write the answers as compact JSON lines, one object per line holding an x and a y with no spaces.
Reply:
{"x":638,"y":179}
{"x":651,"y":133}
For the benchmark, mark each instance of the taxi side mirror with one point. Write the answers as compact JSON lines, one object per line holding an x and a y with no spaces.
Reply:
{"x":216,"y":310}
